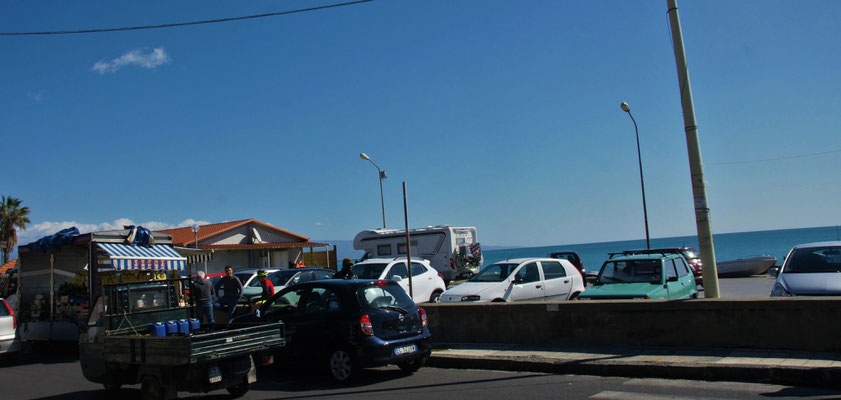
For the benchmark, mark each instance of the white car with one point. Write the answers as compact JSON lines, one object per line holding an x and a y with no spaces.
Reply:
{"x":9,"y":341}
{"x":812,"y":269}
{"x":522,"y":279}
{"x":427,"y":283}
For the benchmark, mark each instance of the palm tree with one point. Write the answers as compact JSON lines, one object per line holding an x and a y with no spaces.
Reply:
{"x":11,"y":215}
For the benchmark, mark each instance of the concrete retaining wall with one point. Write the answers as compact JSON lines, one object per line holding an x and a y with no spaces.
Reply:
{"x":812,"y":324}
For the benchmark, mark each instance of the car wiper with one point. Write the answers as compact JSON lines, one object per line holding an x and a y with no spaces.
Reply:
{"x":399,"y":309}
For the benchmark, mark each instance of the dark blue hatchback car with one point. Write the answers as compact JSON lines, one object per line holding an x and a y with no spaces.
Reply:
{"x":346,"y":325}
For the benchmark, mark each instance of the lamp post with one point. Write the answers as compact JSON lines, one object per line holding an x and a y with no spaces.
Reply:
{"x":195,"y":229}
{"x":382,"y":176}
{"x":627,"y":109}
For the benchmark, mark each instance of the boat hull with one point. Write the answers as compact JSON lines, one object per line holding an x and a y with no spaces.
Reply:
{"x":745,"y":267}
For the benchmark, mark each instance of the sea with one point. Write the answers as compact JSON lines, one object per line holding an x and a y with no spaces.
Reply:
{"x":728,"y":246}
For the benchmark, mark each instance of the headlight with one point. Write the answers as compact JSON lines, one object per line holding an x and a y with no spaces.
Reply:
{"x":779,"y":291}
{"x":474,"y":297}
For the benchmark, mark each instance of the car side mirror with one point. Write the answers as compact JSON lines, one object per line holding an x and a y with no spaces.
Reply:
{"x":671,"y":279}
{"x":774,"y":271}
{"x":257,"y":312}
{"x":396,"y":278}
{"x":518,"y":281}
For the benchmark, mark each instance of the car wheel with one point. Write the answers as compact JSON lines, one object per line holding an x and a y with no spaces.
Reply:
{"x":412,"y":366}
{"x":151,"y":389}
{"x":238,"y":390}
{"x":342,"y":365}
{"x":436,"y":297}
{"x":498,"y":301}
{"x":574,"y":296}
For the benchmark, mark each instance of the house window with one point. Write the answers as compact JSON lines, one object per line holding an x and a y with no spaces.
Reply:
{"x":384,"y":250}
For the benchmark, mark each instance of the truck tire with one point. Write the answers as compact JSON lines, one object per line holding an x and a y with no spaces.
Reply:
{"x":343,"y":365}
{"x":412,"y":366}
{"x":151,"y":389}
{"x":238,"y":390}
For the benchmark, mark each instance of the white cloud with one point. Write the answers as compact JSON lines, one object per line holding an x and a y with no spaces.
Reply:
{"x":36,"y":96}
{"x":153,"y":59}
{"x":322,"y":224}
{"x":36,"y":231}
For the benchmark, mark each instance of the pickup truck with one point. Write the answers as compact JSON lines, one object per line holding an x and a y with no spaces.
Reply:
{"x":126,"y":342}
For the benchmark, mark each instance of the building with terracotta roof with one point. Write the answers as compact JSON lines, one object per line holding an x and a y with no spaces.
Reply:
{"x":250,"y":243}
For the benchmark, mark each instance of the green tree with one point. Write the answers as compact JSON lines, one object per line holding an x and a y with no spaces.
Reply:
{"x":12,"y":215}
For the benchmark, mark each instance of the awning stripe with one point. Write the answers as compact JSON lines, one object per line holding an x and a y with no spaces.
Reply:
{"x":158,"y":257}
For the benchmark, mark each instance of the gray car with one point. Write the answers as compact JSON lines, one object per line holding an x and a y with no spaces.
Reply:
{"x":812,"y":269}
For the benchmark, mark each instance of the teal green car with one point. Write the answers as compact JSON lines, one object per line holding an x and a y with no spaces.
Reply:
{"x":648,"y":276}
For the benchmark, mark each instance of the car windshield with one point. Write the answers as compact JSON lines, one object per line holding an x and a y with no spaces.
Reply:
{"x":495,"y":273}
{"x":387,"y":297}
{"x":814,"y":259}
{"x":243,"y":277}
{"x":630,"y":271}
{"x":280,"y":278}
{"x":690,"y":254}
{"x":369,"y":271}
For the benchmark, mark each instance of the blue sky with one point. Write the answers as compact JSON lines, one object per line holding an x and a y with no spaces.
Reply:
{"x":502,"y":115}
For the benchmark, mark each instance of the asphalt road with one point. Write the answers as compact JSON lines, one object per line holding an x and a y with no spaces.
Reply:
{"x":50,"y":376}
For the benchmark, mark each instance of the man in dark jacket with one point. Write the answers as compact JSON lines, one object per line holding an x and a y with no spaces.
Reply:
{"x":202,"y":292}
{"x":231,"y":289}
{"x":347,"y":270}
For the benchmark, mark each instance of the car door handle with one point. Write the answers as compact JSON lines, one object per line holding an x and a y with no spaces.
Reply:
{"x":538,"y":286}
{"x":566,"y":280}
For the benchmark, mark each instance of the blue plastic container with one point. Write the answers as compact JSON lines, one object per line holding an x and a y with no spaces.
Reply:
{"x":157,"y":329}
{"x":183,"y":327}
{"x":194,"y":324}
{"x":171,"y":327}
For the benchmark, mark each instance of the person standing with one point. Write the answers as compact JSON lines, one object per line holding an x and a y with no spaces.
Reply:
{"x":347,"y":270}
{"x":202,"y":292}
{"x":231,"y":291}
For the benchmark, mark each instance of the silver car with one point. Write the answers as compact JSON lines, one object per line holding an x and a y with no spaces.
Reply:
{"x":9,"y":340}
{"x":812,"y":269}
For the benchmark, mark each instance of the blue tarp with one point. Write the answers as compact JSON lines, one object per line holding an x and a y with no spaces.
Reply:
{"x":54,"y":241}
{"x":139,"y":236}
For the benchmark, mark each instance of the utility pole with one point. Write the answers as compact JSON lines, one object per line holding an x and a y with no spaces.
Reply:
{"x":696,"y":168}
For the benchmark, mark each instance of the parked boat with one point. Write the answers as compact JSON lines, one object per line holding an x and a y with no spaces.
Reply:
{"x":744,"y":267}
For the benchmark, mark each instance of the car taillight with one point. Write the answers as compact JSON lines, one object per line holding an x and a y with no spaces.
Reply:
{"x":452,"y":265}
{"x":366,"y":326}
{"x":381,"y":283}
{"x":441,"y":276}
{"x":422,"y":314}
{"x":12,"y":313}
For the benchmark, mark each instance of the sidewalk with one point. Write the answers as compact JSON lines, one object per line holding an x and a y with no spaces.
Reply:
{"x":750,"y":365}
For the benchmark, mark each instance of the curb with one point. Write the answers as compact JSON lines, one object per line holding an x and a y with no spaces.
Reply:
{"x":795,"y":376}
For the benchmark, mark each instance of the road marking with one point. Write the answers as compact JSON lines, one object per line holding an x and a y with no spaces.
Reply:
{"x":608,"y":394}
{"x":707,"y":386}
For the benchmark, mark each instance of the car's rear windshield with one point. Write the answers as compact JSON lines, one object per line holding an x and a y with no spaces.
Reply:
{"x":814,"y":259}
{"x":690,"y":254}
{"x":630,"y":271}
{"x":369,"y":271}
{"x":387,"y":296}
{"x":281,"y":277}
{"x":495,"y":273}
{"x":3,"y":310}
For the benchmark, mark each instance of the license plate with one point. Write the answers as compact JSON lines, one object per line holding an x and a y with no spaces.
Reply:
{"x":214,"y":374}
{"x":405,"y":350}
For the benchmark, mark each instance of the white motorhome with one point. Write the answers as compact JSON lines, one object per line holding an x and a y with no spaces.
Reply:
{"x":454,"y":251}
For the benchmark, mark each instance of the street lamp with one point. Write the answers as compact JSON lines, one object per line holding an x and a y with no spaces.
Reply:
{"x":195,"y":229}
{"x":382,"y":176}
{"x":627,"y":109}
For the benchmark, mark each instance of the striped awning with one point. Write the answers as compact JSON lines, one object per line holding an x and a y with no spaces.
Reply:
{"x":199,"y":258}
{"x":158,"y":257}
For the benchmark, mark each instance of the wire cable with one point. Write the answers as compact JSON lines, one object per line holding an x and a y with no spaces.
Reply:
{"x":177,"y":24}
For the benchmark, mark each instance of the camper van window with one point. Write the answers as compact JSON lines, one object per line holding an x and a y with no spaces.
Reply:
{"x":401,"y":247}
{"x":384,"y":249}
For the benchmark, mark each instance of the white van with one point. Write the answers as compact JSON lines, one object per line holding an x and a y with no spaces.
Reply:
{"x":453,"y":251}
